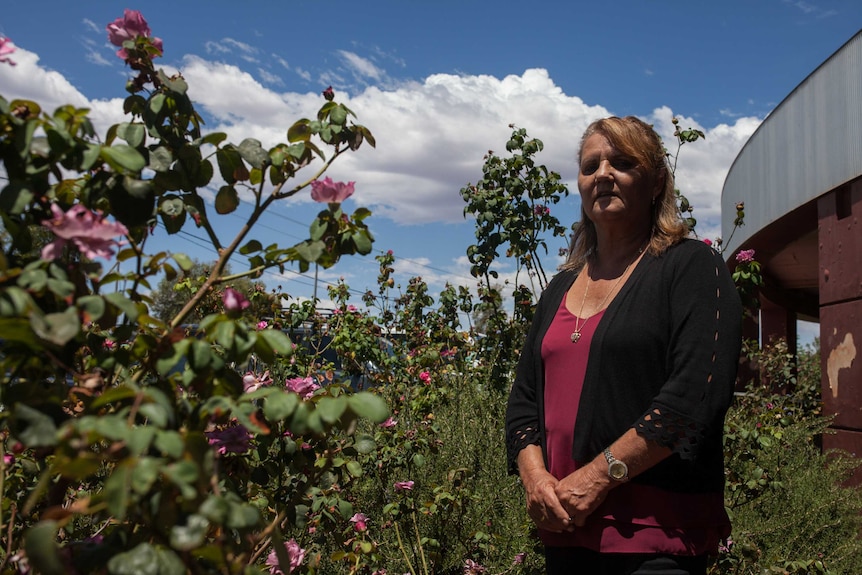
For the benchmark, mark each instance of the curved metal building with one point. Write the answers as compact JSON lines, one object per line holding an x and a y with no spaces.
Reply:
{"x":800,"y":176}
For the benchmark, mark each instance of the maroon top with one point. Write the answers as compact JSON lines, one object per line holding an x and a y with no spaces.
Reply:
{"x":634,"y":518}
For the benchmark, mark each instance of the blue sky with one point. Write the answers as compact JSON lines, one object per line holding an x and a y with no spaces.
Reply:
{"x":438,"y":83}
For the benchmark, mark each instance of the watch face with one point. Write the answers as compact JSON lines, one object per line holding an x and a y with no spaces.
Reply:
{"x":618,"y":470}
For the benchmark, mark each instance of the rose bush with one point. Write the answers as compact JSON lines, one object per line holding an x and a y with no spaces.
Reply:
{"x":133,"y":444}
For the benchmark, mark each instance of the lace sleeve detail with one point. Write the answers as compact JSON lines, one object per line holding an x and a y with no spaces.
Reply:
{"x":672,"y":430}
{"x":518,"y":440}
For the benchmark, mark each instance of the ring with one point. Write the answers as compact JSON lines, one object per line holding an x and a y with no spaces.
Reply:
{"x":571,"y":519}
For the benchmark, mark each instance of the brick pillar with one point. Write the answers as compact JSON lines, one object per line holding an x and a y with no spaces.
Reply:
{"x":840,"y":253}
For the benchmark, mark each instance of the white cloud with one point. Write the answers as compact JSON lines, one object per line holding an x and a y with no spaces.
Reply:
{"x":92,"y":26}
{"x":270,"y":78}
{"x":29,"y":80}
{"x":431,"y":136}
{"x":703,"y":165}
{"x":361,"y":67}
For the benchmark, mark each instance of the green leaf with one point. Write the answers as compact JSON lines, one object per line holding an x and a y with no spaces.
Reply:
{"x":173,"y":212}
{"x":32,"y":427}
{"x":116,"y":490}
{"x":146,"y":559}
{"x":242,"y":516}
{"x":156,"y":414}
{"x":279,"y":406}
{"x":252,"y":152}
{"x":299,"y":131}
{"x":57,"y":328}
{"x":338,"y":115}
{"x":370,"y":406}
{"x":215,"y":508}
{"x":119,"y":393}
{"x":169,"y":443}
{"x":166,"y":363}
{"x":160,"y":159}
{"x":362,"y":241}
{"x":230,"y":165}
{"x":227,"y":200}
{"x":214,"y":138}
{"x":146,"y":473}
{"x":132,"y":133}
{"x":139,"y":438}
{"x":183,"y":474}
{"x":354,"y":468}
{"x":251,"y":247}
{"x":134,"y":104}
{"x":200,"y":355}
{"x":309,"y":251}
{"x":331,"y":408}
{"x":15,"y":198}
{"x":92,"y":305}
{"x":125,"y":305}
{"x":123,"y":158}
{"x":184,"y":261}
{"x":90,"y":155}
{"x":277,"y":340}
{"x":43,"y":553}
{"x":191,"y":535}
{"x":176,"y":84}
{"x":365,"y":444}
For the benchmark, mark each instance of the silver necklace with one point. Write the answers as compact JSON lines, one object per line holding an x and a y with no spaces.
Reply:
{"x":576,"y":335}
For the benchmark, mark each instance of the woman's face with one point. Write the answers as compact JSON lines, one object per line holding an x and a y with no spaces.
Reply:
{"x":612,"y":185}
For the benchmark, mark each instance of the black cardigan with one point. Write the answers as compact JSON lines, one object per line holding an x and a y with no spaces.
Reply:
{"x":663,"y":360}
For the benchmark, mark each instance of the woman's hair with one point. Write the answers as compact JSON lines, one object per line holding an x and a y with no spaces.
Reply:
{"x":636,"y":139}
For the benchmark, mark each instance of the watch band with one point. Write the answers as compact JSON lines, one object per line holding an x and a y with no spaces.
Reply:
{"x":617,"y":470}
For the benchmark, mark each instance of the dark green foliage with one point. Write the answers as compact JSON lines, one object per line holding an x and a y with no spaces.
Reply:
{"x":791,"y":510}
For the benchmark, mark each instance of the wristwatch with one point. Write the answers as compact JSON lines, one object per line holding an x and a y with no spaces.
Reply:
{"x":617,"y":470}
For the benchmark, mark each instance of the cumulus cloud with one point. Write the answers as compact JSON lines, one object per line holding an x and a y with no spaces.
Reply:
{"x":30,"y":80}
{"x":432,"y":134}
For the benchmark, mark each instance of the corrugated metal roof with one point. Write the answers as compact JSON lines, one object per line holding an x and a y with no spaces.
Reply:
{"x":810,"y":144}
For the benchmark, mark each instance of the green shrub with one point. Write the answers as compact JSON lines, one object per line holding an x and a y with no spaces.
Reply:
{"x":791,"y":510}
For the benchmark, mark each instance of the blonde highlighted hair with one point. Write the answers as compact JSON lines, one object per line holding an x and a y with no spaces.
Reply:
{"x":637,"y":139}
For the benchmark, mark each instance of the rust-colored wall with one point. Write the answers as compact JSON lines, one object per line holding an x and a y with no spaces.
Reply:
{"x":840,"y":253}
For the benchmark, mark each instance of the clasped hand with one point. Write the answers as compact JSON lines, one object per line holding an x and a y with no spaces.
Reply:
{"x":561,"y":505}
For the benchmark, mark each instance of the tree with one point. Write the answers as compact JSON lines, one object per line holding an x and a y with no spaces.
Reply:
{"x":169,"y":297}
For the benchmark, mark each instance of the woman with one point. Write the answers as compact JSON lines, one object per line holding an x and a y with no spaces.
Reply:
{"x":615,"y":417}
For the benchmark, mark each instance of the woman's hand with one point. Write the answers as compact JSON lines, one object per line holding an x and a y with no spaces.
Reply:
{"x":543,"y":506}
{"x":582,"y":492}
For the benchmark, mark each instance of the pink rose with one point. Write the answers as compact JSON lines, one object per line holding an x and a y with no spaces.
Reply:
{"x":358,"y":521}
{"x":251,"y":381}
{"x":329,"y":94}
{"x":327,"y":191}
{"x":403,"y":485}
{"x":85,"y":229}
{"x":294,"y":551}
{"x":128,"y":28}
{"x":235,"y":439}
{"x":304,"y":386}
{"x":745,"y":256}
{"x":425,"y":377}
{"x":234,"y":302}
{"x":6,"y":48}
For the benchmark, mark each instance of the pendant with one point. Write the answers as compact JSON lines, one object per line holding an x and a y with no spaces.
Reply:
{"x":576,"y":335}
